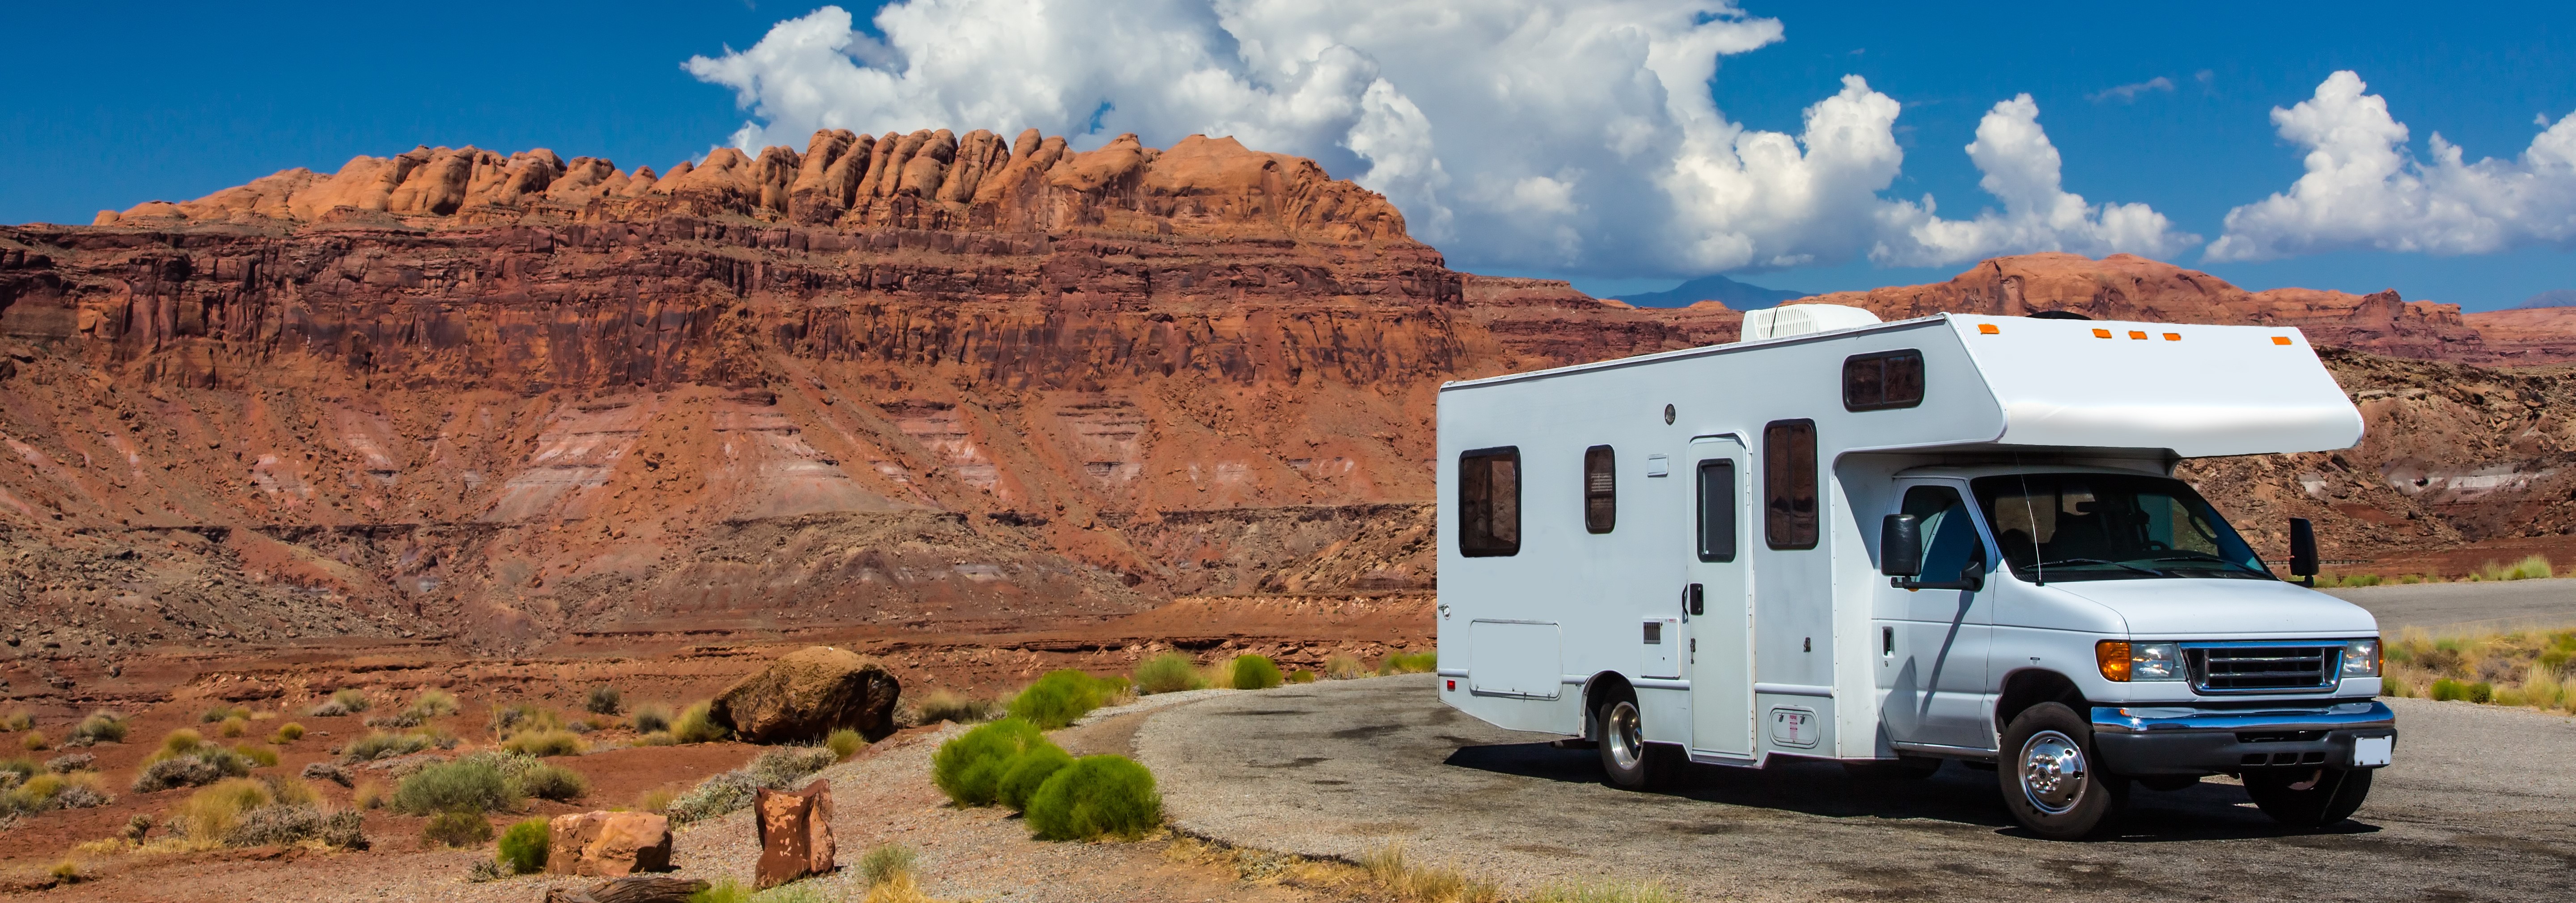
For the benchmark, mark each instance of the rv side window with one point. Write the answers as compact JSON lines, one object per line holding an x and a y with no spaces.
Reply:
{"x":1789,"y":484}
{"x":1877,"y":382}
{"x":1717,"y":510}
{"x":1600,"y":489}
{"x":1489,"y":502}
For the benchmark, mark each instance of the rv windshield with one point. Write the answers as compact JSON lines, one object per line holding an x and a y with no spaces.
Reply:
{"x":2088,"y":526}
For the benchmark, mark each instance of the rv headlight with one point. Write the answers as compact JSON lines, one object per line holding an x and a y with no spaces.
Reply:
{"x":2361,"y":658}
{"x":2155,"y":661}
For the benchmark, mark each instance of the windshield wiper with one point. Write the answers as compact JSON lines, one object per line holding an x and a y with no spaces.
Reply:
{"x":2117,"y":564}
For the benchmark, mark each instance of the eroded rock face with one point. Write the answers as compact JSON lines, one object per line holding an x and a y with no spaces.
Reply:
{"x":608,"y":844}
{"x":810,"y":693}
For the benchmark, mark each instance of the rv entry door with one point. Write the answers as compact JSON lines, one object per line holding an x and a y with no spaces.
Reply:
{"x":1717,"y":600}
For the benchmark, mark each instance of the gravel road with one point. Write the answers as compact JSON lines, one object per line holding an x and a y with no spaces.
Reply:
{"x":2468,"y":607}
{"x":2481,"y":805}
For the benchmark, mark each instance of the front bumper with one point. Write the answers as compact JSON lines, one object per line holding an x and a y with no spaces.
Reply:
{"x":2145,"y":740}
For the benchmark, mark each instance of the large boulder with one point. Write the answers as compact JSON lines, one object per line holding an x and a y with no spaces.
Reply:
{"x":608,"y":844}
{"x":809,"y":693}
{"x":795,"y":834}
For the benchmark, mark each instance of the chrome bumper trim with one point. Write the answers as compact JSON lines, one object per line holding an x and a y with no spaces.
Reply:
{"x":2162,"y":719}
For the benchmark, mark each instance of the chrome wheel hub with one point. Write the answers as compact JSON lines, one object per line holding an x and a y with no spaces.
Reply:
{"x":2053,"y":772}
{"x":1622,"y":735}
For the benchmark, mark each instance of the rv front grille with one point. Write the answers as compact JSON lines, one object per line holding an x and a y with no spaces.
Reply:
{"x":2231,"y":668}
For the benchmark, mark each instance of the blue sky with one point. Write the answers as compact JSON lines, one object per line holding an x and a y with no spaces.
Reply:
{"x":121,"y":103}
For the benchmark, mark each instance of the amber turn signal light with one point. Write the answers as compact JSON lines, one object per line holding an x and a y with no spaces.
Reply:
{"x":2114,"y":657}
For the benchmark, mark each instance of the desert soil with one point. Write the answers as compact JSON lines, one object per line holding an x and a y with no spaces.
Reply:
{"x":2479,"y":806}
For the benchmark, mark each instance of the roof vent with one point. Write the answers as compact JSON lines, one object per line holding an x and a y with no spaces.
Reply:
{"x":1800,"y":319}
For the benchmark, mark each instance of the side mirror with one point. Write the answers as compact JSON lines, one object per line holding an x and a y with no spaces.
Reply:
{"x":2303,"y":550}
{"x":1900,"y":546}
{"x":1972,"y":576}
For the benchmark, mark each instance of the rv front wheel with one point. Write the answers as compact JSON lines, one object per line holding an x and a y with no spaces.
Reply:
{"x":2051,"y":777}
{"x":1626,"y":758}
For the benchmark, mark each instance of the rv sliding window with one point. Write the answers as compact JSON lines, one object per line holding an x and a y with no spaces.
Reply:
{"x":1789,"y":484}
{"x":1717,"y":510}
{"x":1489,"y":502}
{"x":1877,"y":382}
{"x":1600,"y":489}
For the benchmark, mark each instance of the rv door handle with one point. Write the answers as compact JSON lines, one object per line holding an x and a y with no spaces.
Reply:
{"x":1695,"y":601}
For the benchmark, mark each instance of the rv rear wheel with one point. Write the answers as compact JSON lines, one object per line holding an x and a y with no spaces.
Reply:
{"x":2050,"y":774}
{"x":2307,"y":798}
{"x":1626,"y":758}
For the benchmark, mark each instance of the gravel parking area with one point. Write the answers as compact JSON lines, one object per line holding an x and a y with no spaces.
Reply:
{"x":2481,"y":805}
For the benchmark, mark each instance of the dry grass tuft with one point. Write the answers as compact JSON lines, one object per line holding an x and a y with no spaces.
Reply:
{"x":2520,"y":668}
{"x":1412,"y":882}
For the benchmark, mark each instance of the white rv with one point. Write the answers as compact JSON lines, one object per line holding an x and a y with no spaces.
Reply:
{"x":1955,"y":537}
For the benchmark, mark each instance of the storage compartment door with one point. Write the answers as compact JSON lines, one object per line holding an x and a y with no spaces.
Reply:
{"x":1514,"y":658}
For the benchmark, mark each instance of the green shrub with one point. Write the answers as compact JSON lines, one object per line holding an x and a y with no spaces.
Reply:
{"x":221,"y":712}
{"x":1096,"y":795}
{"x":545,"y":743}
{"x":1255,"y":672}
{"x":1060,"y":697}
{"x":969,"y":769}
{"x":466,"y":785}
{"x":1028,"y":771}
{"x":2481,"y":692}
{"x":697,"y":724}
{"x":1301,"y":676}
{"x":352,"y":699}
{"x":432,"y":703}
{"x":886,"y":862}
{"x":725,"y":890}
{"x":522,"y":849}
{"x":381,"y":745}
{"x":456,"y":828}
{"x":548,"y":781}
{"x":1170,"y":672}
{"x":652,"y":716}
{"x":942,"y":705}
{"x":101,"y":726}
{"x":287,"y":733}
{"x":1409,"y":663}
{"x":603,"y":700}
{"x":845,"y":743}
{"x":2448,"y":690}
{"x":259,"y":756}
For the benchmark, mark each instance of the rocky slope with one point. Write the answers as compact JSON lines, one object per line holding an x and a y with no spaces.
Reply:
{"x":904,"y":383}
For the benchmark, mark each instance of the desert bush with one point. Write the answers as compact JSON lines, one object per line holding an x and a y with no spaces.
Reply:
{"x":969,"y":768}
{"x":432,"y":703}
{"x":1095,"y":796}
{"x":101,"y":726}
{"x":886,"y":862}
{"x":369,"y":794}
{"x":221,"y":712}
{"x":603,"y":700}
{"x":697,"y":724}
{"x":471,"y":784}
{"x":17,"y":721}
{"x":283,"y":824}
{"x":71,"y":762}
{"x":844,"y":743}
{"x":1170,"y":672}
{"x":177,"y":743}
{"x":656,"y":801}
{"x":1344,"y":666}
{"x":2447,"y":690}
{"x":545,"y":743}
{"x":777,"y":769}
{"x":456,"y":828}
{"x":287,"y":733}
{"x":2534,"y":567}
{"x":1059,"y":697}
{"x":943,"y":705}
{"x":47,"y":792}
{"x":650,"y":717}
{"x":17,"y":770}
{"x":384,"y":745}
{"x":1028,"y":771}
{"x":209,"y":815}
{"x":656,"y":738}
{"x":552,"y":782}
{"x":1409,"y":662}
{"x":259,"y":756}
{"x":522,"y":849}
{"x":35,"y":741}
{"x":1255,"y":672}
{"x":524,"y":716}
{"x":1301,"y":676}
{"x":186,"y":760}
{"x":783,"y":767}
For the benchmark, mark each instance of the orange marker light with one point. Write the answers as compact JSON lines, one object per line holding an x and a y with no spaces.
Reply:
{"x":2173,"y":336}
{"x":2101,"y":333}
{"x":2135,"y":334}
{"x":2114,"y":656}
{"x":2280,"y":340}
{"x":1987,"y":329}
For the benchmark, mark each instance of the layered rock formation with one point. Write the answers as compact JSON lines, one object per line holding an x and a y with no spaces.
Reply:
{"x":898,"y":383}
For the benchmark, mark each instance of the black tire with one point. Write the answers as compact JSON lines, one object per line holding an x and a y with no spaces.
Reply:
{"x":2051,"y":777}
{"x":1901,"y":768}
{"x":1629,"y":762}
{"x":2334,"y":796}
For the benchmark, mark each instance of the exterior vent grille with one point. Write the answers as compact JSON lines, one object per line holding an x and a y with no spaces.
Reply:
{"x":2229,"y":668}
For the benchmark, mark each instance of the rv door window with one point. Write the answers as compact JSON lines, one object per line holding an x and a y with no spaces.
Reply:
{"x":1489,"y":502}
{"x":1949,"y":539}
{"x":1717,"y":510}
{"x":1600,"y":489}
{"x":1789,"y":484}
{"x":1877,"y":382}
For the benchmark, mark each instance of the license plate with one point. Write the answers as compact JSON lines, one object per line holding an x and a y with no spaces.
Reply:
{"x":2371,"y":752}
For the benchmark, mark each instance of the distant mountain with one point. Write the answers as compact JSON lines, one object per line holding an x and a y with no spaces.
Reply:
{"x":2556,"y":297}
{"x":1715,"y":288}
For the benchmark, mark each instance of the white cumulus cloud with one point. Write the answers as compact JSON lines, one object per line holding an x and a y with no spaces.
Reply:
{"x":1531,"y":134}
{"x":2365,"y":188}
